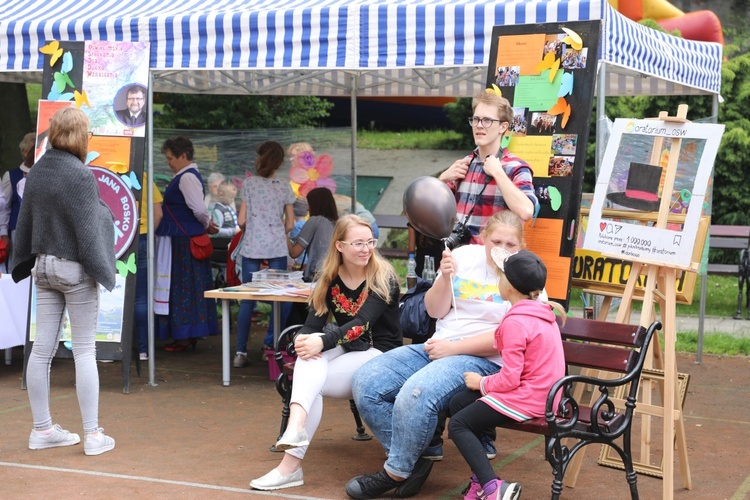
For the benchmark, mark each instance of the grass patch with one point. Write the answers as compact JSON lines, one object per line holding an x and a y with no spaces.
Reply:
{"x":713,"y":343}
{"x":424,"y":139}
{"x":721,"y":298}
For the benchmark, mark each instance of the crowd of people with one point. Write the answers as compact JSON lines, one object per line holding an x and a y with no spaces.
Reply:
{"x":495,"y":351}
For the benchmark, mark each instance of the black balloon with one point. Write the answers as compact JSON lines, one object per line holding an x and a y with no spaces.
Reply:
{"x":430,"y":207}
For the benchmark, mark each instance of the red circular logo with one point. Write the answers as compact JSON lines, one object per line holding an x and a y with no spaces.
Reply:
{"x":120,"y":200}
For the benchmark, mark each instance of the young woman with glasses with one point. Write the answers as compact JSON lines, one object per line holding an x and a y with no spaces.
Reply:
{"x":491,"y":178}
{"x":360,"y":290}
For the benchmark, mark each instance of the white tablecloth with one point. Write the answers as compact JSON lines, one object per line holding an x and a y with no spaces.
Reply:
{"x":14,"y":309}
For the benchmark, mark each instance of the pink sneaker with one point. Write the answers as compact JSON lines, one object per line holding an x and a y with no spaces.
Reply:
{"x":471,"y":492}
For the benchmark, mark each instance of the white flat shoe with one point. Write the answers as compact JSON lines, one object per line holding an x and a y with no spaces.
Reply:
{"x":292,"y":439}
{"x":275,"y":481}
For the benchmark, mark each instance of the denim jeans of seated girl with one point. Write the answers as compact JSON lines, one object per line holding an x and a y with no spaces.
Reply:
{"x":400,"y":393}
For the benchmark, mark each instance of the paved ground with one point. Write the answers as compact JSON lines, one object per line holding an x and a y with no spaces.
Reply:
{"x":190,"y":437}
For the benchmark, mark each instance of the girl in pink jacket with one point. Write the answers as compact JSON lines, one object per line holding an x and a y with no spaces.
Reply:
{"x":528,"y":339}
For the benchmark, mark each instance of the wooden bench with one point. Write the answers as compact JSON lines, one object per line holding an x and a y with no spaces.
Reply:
{"x":597,"y":345}
{"x":727,"y":237}
{"x":285,"y":345}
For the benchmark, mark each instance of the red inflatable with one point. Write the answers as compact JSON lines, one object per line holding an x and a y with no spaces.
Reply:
{"x":701,"y":25}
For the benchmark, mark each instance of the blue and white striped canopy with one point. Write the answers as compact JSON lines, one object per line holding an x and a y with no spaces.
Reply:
{"x":316,"y":47}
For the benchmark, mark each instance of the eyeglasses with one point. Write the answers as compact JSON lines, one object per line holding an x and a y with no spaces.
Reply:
{"x":360,"y":245}
{"x":485,"y":121}
{"x":135,"y":99}
{"x":91,"y":134}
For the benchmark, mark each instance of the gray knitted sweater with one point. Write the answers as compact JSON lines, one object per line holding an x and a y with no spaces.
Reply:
{"x":62,"y":215}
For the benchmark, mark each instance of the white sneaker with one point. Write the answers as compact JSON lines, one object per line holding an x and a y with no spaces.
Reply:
{"x":97,"y":443}
{"x":240,"y":360}
{"x":275,"y":481}
{"x":292,"y":439}
{"x":57,"y":437}
{"x":143,"y":356}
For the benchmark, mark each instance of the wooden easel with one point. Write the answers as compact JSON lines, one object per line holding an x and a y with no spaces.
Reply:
{"x":660,"y":288}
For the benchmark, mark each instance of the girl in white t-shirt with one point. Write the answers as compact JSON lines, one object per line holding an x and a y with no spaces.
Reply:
{"x":400,"y":393}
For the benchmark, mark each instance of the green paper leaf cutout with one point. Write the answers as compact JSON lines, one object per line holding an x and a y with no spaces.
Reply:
{"x":124,"y":267}
{"x":555,"y":198}
{"x":505,"y":141}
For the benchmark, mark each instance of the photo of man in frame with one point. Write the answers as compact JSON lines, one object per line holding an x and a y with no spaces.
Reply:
{"x":134,"y":114}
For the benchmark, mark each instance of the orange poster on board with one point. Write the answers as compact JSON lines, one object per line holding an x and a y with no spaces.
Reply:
{"x":523,"y":51}
{"x":543,"y":238}
{"x":47,"y":110}
{"x":110,"y":152}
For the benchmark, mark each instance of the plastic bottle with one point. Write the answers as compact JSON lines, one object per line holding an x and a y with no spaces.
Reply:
{"x":411,"y":272}
{"x":428,"y":274}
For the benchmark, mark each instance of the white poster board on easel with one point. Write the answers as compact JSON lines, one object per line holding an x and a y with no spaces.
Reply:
{"x":627,"y":180}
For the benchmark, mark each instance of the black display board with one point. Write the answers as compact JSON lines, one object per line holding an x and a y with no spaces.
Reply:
{"x":547,"y":72}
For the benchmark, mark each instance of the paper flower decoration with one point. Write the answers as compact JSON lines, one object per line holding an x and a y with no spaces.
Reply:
{"x":311,"y":173}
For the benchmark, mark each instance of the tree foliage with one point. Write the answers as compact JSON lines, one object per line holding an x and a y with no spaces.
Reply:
{"x":225,"y":112}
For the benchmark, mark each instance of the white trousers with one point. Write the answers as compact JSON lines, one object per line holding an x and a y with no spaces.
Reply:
{"x":330,"y":376}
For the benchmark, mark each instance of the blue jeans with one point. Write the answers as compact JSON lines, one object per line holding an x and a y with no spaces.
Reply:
{"x":244,"y":321}
{"x":400,"y":393}
{"x":62,"y":283}
{"x":141,"y":295}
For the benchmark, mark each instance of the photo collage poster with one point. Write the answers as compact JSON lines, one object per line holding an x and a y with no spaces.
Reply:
{"x":109,"y":82}
{"x":547,"y":72}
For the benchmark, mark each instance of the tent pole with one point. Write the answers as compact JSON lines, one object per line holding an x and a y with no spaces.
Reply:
{"x":601,"y":94}
{"x":150,"y":233}
{"x":704,"y":277}
{"x":355,"y":85}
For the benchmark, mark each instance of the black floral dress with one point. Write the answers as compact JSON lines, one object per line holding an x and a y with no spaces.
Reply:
{"x":361,"y":319}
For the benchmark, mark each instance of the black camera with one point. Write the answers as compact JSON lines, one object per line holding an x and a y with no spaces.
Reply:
{"x":460,"y":235}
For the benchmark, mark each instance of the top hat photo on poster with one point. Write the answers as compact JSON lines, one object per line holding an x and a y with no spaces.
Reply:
{"x":642,"y":188}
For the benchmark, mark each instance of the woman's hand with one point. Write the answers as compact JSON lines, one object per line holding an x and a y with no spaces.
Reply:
{"x":448,"y":264}
{"x":308,"y":346}
{"x":437,"y":349}
{"x":212,"y":228}
{"x":457,"y":171}
{"x":472,"y":380}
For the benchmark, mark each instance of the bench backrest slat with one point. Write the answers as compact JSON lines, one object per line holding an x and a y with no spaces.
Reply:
{"x":601,"y":331}
{"x":611,"y":359}
{"x":601,"y":345}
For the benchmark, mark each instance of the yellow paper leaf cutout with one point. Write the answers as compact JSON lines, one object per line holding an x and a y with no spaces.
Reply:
{"x":573,"y":39}
{"x":117,"y":167}
{"x":81,"y":98}
{"x":53,"y":48}
{"x":546,"y":63}
{"x":50,"y":48}
{"x":494,"y":90}
{"x":553,"y":70}
{"x":558,"y":107}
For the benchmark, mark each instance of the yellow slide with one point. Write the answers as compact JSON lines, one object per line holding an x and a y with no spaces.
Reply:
{"x":646,"y":9}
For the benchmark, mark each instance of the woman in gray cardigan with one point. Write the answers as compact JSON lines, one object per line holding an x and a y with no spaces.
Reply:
{"x":65,"y":240}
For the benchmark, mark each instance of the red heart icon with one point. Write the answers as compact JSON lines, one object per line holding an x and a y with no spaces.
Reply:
{"x":602,"y":225}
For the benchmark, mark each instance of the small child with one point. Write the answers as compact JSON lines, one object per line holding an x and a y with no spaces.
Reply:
{"x":528,"y":339}
{"x":222,"y":212}
{"x":299,"y":207}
